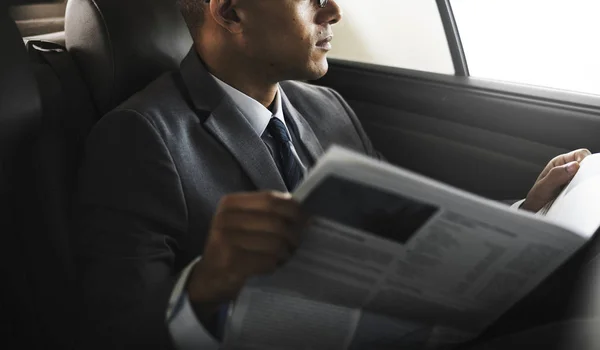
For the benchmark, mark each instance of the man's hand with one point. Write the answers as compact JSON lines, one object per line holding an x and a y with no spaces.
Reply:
{"x":251,"y":234}
{"x":557,"y":173}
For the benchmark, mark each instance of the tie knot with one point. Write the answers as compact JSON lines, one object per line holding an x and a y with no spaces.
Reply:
{"x":278,"y":130}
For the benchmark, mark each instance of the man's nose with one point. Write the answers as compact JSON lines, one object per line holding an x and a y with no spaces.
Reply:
{"x":331,"y":14}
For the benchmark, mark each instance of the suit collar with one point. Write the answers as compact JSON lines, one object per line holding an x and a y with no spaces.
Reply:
{"x":307,"y":136}
{"x":227,"y":123}
{"x":257,"y":115}
{"x":203,"y":90}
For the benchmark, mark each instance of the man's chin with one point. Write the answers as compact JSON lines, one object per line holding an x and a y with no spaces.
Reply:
{"x":312,"y":70}
{"x":318,"y":70}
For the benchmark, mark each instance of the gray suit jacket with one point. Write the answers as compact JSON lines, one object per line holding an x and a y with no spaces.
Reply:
{"x":153,"y":173}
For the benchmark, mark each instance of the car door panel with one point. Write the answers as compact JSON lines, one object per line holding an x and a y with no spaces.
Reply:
{"x":489,"y":138}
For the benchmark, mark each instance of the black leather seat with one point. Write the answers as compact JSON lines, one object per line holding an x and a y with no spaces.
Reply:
{"x":19,"y":119}
{"x":25,"y":251}
{"x":122,"y":46}
{"x":40,"y":138}
{"x":42,"y":127}
{"x":115,"y":48}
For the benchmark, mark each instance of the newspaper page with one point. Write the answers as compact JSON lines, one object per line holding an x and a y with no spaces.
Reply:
{"x":395,"y":260}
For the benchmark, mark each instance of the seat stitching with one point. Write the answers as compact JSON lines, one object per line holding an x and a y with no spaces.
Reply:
{"x":111,"y":49}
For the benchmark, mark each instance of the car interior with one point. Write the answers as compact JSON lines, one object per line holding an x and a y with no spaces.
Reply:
{"x":67,"y":63}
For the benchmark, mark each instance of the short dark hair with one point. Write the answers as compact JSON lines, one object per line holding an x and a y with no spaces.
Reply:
{"x":193,"y":12}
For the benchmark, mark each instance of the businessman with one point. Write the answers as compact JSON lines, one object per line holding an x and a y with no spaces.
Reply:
{"x":184,"y":188}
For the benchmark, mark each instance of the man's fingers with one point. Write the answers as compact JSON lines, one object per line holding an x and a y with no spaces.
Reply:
{"x":549,"y":187}
{"x":254,"y":221}
{"x":261,"y":243}
{"x":559,"y":176}
{"x":260,"y":223}
{"x":267,"y":202}
{"x":581,"y":154}
{"x":564,"y":159}
{"x":574,"y":156}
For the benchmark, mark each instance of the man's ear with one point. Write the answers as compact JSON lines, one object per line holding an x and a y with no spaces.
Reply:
{"x":225,"y":14}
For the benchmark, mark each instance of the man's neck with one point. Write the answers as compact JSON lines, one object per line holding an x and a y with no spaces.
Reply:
{"x":263,"y":93}
{"x":242,"y":78}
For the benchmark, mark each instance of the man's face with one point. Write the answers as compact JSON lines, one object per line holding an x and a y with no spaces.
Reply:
{"x":289,"y":39}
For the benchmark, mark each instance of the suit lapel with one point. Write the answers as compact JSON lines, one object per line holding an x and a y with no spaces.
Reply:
{"x":307,"y":136}
{"x":228,"y":125}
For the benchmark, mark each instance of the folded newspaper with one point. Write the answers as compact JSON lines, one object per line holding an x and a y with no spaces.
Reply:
{"x":395,"y":260}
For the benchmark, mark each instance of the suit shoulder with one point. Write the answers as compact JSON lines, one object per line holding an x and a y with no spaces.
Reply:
{"x":161,"y":107}
{"x":164,"y":91}
{"x":163,"y":103}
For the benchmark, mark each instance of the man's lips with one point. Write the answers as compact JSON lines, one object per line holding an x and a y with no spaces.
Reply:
{"x":325,"y":43}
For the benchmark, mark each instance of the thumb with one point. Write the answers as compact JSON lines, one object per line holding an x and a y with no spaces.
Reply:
{"x":549,"y":187}
{"x":558,"y":177}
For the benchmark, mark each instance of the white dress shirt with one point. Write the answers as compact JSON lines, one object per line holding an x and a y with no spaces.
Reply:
{"x":258,"y":116}
{"x":186,"y":330}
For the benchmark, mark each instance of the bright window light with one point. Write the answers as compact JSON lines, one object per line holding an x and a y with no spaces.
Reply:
{"x":550,"y":43}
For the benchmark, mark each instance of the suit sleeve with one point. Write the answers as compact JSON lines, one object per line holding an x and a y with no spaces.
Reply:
{"x":368,"y":145}
{"x":131,"y":220}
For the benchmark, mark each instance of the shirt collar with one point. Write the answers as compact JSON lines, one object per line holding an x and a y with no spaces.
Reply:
{"x":255,"y":113}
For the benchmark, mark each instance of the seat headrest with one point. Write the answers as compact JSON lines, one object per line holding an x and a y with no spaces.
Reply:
{"x":121,"y":46}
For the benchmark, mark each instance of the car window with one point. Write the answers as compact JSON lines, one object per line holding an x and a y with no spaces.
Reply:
{"x":398,"y":33}
{"x":549,"y":43}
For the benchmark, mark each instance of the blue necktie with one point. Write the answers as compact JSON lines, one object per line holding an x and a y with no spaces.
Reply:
{"x":291,"y":170}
